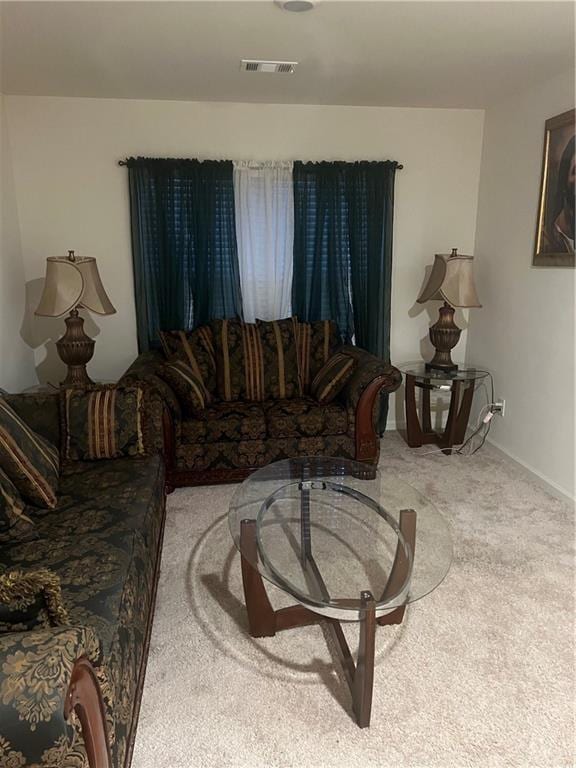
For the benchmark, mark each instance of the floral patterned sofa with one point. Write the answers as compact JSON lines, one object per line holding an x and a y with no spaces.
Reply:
{"x":242,"y":428}
{"x":69,"y":695}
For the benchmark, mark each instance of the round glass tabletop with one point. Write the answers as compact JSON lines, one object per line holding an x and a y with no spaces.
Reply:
{"x":327,"y":530}
{"x":419,"y":371}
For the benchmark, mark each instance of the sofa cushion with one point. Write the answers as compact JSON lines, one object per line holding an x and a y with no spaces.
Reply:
{"x":15,"y":524}
{"x":256,"y":361}
{"x":239,"y":360}
{"x":189,"y":388}
{"x":30,"y":461}
{"x":248,"y":454}
{"x":225,"y":421}
{"x":196,"y":348}
{"x":102,"y":422}
{"x":279,"y":358}
{"x":240,"y":374}
{"x":317,"y":342}
{"x":304,"y":417}
{"x":332,"y":377}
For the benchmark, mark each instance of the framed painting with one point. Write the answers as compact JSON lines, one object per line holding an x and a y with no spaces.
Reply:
{"x":555,"y":231}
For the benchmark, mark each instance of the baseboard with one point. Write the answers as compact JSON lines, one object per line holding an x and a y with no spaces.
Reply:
{"x":554,"y":488}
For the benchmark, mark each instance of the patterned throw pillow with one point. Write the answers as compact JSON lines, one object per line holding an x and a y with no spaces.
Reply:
{"x":280,"y":358}
{"x":256,"y":361}
{"x":30,"y":599}
{"x":332,"y":377}
{"x":102,"y":422}
{"x":30,"y":461}
{"x":239,"y":365}
{"x":190,"y":390}
{"x":15,"y":525}
{"x":196,"y":348}
{"x":317,"y":342}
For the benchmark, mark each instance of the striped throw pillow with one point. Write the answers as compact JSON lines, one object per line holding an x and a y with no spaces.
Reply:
{"x":256,"y":361}
{"x":316,"y":343}
{"x":196,"y":349}
{"x":189,"y":388}
{"x":332,"y":377}
{"x":279,"y":358}
{"x":15,"y":525}
{"x":102,"y":422}
{"x":30,"y":462}
{"x":239,"y":360}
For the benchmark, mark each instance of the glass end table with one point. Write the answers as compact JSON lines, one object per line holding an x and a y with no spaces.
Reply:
{"x":460,"y":383}
{"x":347,"y":542}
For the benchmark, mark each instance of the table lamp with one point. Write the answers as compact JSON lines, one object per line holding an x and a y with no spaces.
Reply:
{"x":452,"y":282}
{"x":74,"y":283}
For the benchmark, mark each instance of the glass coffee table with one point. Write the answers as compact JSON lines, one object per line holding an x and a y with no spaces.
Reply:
{"x":347,"y":542}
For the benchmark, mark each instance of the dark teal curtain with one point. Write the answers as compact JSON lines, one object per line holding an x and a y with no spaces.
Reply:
{"x":343,"y":220}
{"x":370,"y":205}
{"x":183,"y":244}
{"x":321,"y":282}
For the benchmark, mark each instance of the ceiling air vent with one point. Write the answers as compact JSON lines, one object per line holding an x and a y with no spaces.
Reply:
{"x":275,"y":67}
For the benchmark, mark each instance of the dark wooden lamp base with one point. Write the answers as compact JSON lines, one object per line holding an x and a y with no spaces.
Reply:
{"x":444,"y":335}
{"x":264,"y":621}
{"x":75,"y":349}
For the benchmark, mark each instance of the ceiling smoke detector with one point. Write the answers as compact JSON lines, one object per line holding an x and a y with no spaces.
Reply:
{"x":297,"y":6}
{"x":275,"y":67}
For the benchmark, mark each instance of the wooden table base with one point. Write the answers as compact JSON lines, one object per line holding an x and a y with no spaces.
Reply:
{"x":264,"y":621}
{"x":421,"y":433}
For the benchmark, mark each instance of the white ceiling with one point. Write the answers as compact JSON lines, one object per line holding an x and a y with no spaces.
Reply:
{"x":440,"y":54}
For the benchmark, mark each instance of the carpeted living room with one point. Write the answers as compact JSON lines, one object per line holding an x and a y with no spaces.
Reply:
{"x":287,"y":391}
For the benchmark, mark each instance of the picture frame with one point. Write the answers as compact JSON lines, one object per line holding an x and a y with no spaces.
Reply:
{"x":554,"y":245}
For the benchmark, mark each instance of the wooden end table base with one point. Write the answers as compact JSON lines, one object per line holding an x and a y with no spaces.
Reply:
{"x":264,"y":621}
{"x":418,"y":434}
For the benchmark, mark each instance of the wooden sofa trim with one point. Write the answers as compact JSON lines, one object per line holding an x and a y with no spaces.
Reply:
{"x":85,"y":698}
{"x":180,"y":478}
{"x":367,"y":439}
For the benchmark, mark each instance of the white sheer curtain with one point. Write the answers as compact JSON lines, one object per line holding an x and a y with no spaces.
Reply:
{"x":264,"y":205}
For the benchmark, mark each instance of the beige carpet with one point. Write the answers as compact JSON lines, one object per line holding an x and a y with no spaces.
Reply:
{"x":481,"y":673}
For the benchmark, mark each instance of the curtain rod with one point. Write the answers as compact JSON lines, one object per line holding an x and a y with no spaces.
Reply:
{"x":399,"y":167}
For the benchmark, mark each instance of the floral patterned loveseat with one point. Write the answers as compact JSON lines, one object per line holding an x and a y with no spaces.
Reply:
{"x":69,"y":695}
{"x":232,"y":436}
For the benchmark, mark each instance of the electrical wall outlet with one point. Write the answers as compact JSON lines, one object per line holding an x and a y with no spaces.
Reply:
{"x":499,"y":407}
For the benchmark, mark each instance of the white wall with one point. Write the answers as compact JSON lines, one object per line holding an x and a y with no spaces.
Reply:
{"x":525,"y":332}
{"x":72,"y":194}
{"x":16,"y":357}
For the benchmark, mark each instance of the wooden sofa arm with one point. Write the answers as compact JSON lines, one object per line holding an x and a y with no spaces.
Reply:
{"x":366,"y":434}
{"x":84,"y":697}
{"x":45,"y":674}
{"x":372,"y":376}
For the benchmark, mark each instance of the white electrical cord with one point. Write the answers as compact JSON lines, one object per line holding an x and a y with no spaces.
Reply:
{"x":484,"y":419}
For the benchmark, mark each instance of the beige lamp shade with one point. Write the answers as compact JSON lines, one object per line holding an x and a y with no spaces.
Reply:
{"x":452,"y":281}
{"x":73,"y":282}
